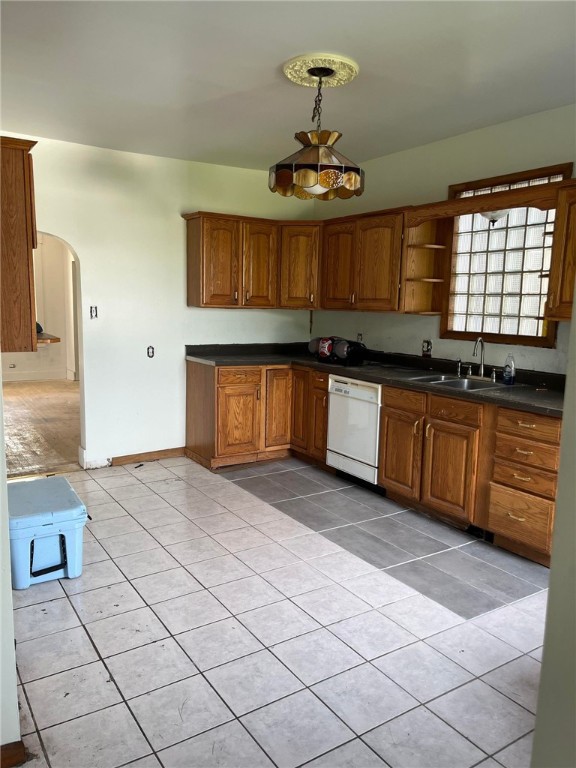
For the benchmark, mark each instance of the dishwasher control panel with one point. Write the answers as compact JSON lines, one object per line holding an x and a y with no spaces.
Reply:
{"x":359,"y":390}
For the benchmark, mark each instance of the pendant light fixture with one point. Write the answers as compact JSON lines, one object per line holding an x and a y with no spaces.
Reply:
{"x":318,"y":171}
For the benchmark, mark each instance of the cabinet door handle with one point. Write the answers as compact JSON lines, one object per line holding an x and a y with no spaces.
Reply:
{"x":524,"y":453}
{"x":247,"y":296}
{"x":311,"y":298}
{"x":324,"y":402}
{"x":525,"y":424}
{"x":353,"y":297}
{"x":235,"y":295}
{"x":257,"y":393}
{"x":427,"y":430}
{"x":520,"y":519}
{"x":521,"y":477}
{"x":415,"y":429}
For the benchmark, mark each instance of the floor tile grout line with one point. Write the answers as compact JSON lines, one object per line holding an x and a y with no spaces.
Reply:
{"x":284,"y":596}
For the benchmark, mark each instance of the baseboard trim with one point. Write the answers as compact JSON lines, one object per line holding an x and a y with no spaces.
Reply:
{"x":167,"y":453}
{"x":12,"y":754}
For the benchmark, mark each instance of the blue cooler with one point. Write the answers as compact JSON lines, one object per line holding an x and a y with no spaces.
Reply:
{"x":46,"y":525}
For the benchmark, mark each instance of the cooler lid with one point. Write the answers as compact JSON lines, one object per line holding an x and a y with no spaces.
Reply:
{"x":43,"y":501}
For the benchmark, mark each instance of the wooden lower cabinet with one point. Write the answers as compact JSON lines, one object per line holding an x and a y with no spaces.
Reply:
{"x":427,"y":454}
{"x":299,"y":437}
{"x":278,"y":407}
{"x":400,"y":461}
{"x":238,"y":419}
{"x":318,"y":415}
{"x":449,"y":471}
{"x":524,"y":482}
{"x":237,"y":415}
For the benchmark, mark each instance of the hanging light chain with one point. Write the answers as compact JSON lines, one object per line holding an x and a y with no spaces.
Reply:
{"x":317,"y":112}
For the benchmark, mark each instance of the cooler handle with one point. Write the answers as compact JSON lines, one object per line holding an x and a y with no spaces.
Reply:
{"x":52,"y":568}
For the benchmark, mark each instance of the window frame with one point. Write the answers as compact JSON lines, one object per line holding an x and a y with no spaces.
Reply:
{"x":540,"y":201}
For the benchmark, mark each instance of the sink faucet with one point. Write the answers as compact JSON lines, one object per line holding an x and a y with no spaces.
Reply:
{"x":480,"y":341}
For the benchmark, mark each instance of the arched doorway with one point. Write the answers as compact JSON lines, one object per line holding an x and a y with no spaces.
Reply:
{"x":42,"y":391}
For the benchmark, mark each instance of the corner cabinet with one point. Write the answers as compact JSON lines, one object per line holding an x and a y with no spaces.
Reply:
{"x":361,"y":263}
{"x":299,"y":260}
{"x":563,"y":263}
{"x":238,"y":414}
{"x":17,"y":308}
{"x":232,"y":262}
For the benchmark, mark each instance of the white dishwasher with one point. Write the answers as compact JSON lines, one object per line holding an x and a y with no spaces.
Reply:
{"x":353,"y":426}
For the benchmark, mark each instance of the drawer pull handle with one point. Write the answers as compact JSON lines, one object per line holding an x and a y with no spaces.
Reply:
{"x":525,"y":424}
{"x":520,"y":519}
{"x":524,"y":453}
{"x":521,"y":477}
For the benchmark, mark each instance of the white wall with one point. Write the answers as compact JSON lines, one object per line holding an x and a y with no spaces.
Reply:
{"x":9,"y":718}
{"x":120,"y":213}
{"x":52,"y":285}
{"x":390,"y":332}
{"x":554,"y":740}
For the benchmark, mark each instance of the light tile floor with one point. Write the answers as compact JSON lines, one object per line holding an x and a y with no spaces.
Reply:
{"x":276,"y":615}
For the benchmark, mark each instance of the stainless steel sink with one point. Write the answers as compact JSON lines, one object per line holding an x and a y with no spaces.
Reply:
{"x":435,"y":378}
{"x":469,"y":385}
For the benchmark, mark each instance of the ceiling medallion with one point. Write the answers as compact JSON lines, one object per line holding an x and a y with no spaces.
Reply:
{"x":318,"y":171}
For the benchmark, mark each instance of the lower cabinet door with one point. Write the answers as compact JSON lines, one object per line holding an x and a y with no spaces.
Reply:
{"x":400,"y":465}
{"x":318,"y":423}
{"x":449,"y":473}
{"x":299,"y":437}
{"x":238,"y":427}
{"x":278,"y":407}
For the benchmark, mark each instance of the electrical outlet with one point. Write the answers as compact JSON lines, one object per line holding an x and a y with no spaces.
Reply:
{"x":359,"y":336}
{"x":93,"y":313}
{"x":150,"y":351}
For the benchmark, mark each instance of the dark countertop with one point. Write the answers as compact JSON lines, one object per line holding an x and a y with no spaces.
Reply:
{"x":521,"y":396}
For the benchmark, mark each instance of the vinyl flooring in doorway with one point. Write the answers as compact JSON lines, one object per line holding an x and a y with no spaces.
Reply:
{"x":41,"y":426}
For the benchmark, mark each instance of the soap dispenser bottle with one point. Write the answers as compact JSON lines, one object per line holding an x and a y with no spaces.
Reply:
{"x":509,"y":373}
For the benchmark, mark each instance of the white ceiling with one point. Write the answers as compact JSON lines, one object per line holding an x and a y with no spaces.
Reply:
{"x":203,"y":80}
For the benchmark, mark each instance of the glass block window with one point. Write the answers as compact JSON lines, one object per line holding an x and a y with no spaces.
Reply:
{"x":499,"y":277}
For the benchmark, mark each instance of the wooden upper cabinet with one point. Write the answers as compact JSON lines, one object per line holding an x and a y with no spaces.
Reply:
{"x":259,"y":264}
{"x":338,"y":265}
{"x":378,"y":251}
{"x":563,"y":266}
{"x":361,"y":263}
{"x":299,"y":254}
{"x":213,"y":261}
{"x":18,"y":311}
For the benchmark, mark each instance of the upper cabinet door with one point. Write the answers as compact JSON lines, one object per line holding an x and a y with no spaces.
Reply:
{"x":259,"y":264}
{"x":563,"y":266}
{"x":338,"y":265}
{"x":378,"y":251}
{"x":18,"y":320}
{"x":299,"y":266}
{"x":219,"y":250}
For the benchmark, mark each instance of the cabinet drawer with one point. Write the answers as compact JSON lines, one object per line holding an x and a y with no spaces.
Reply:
{"x":405,"y":400}
{"x":239,"y":375}
{"x":319,"y":380}
{"x":528,"y":479}
{"x":530,"y":425}
{"x":455,"y":410}
{"x":521,"y":517}
{"x":526,"y":452}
